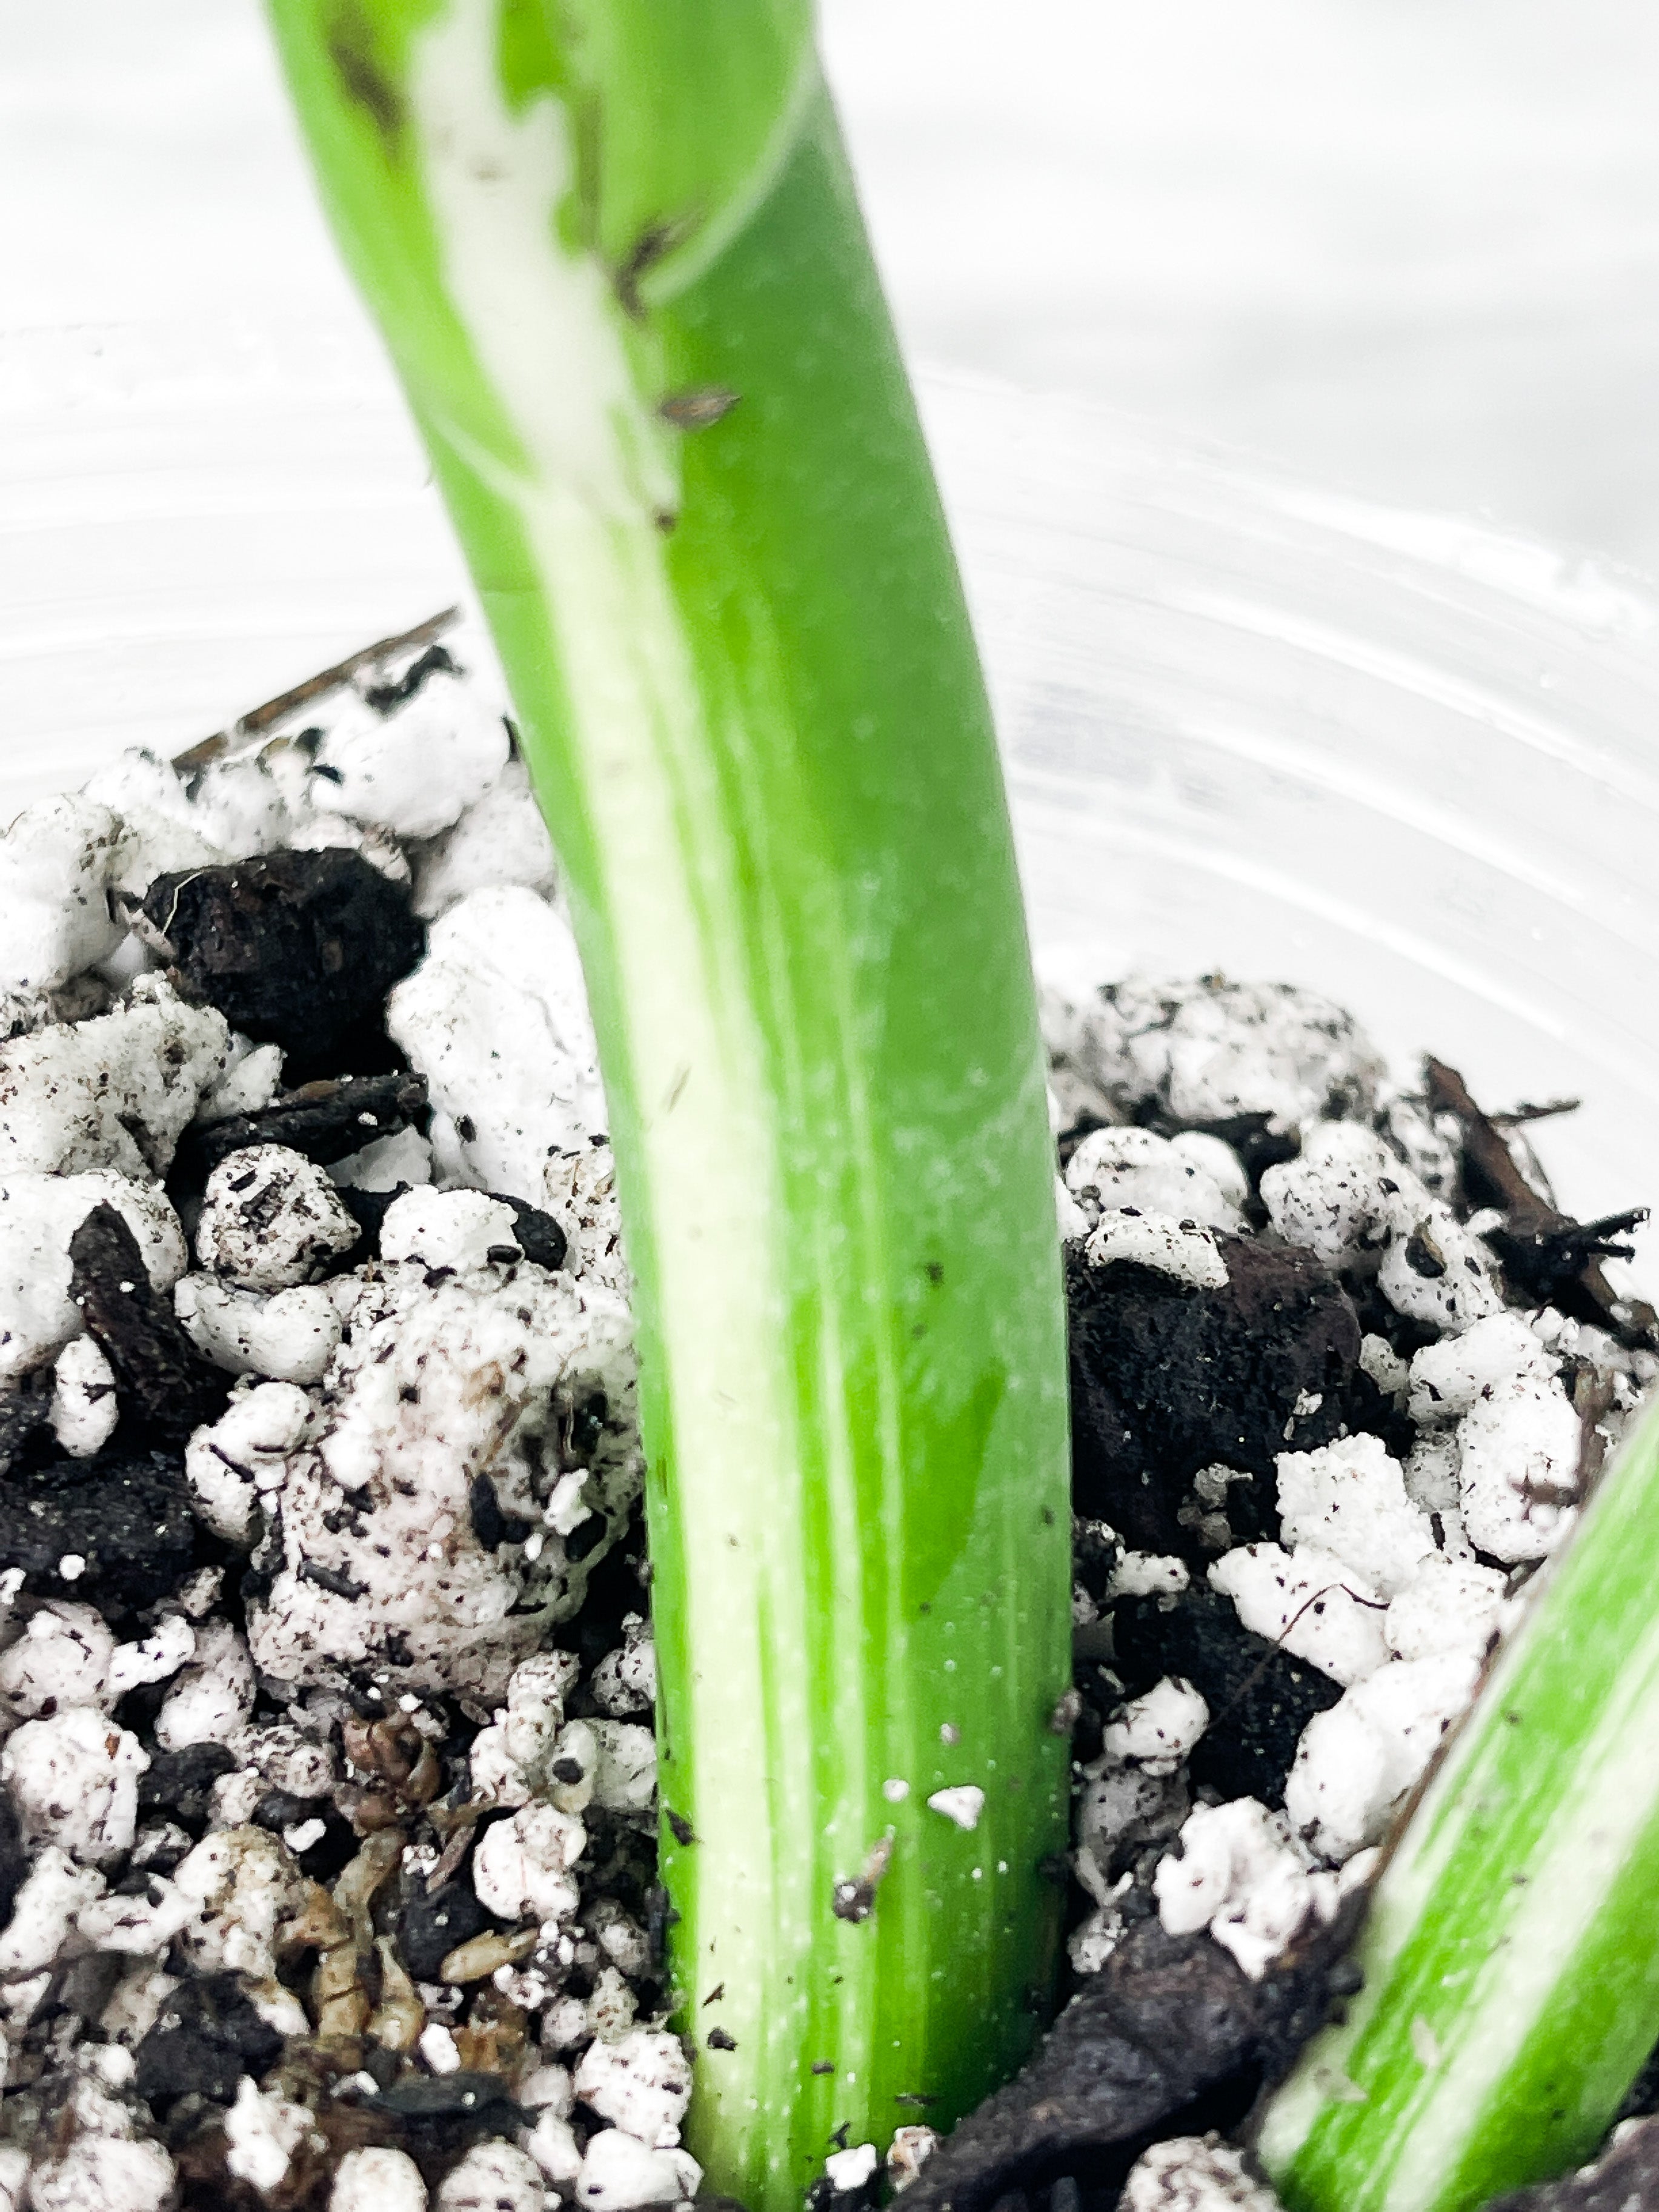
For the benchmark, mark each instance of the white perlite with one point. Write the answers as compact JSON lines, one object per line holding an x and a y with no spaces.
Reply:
{"x":117,"y":1092}
{"x":1209,"y":1050}
{"x":66,"y":1656}
{"x":378,"y":2180}
{"x":1159,"y":1731}
{"x":104,"y":2173}
{"x":1307,"y":1601}
{"x":262,"y":2133}
{"x":581,"y":1195}
{"x":1356,"y":1761}
{"x":500,"y":839}
{"x":963,"y":1803}
{"x":245,"y":1453}
{"x":850,"y":2169}
{"x":642,"y":2084}
{"x":619,"y":2174}
{"x":520,"y":1377}
{"x":625,"y":1680}
{"x":1180,"y":1248}
{"x":39,"y":1216}
{"x":1453,"y":1605}
{"x":510,"y":1760}
{"x":1242,"y":1875}
{"x":1194,"y":2174}
{"x":54,"y":1893}
{"x":1349,"y":1498}
{"x":1346,"y":1196}
{"x":1117,"y":1169}
{"x":414,"y":771}
{"x":84,"y":1408}
{"x":521,"y":1869}
{"x":253,"y":1077}
{"x":213,"y":1696}
{"x":495,"y":1018}
{"x":492,"y":2177}
{"x":271,"y":1219}
{"x":74,"y":1778}
{"x":289,"y":1337}
{"x":57,"y":860}
{"x":1519,"y":1447}
{"x":1146,"y":1574}
{"x":1450,"y":1379}
{"x":458,"y":1229}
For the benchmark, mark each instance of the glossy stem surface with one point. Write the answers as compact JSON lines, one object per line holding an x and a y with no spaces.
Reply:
{"x":616,"y":258}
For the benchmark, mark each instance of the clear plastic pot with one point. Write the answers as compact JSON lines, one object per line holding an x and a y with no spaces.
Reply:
{"x":1249,"y":725}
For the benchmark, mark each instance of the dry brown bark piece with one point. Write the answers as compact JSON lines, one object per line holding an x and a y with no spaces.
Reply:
{"x":164,"y":1388}
{"x":1547,"y":1254}
{"x":327,"y":1121}
{"x":1169,"y":2020}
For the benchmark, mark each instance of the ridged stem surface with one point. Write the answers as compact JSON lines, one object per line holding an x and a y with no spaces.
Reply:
{"x":617,"y":258}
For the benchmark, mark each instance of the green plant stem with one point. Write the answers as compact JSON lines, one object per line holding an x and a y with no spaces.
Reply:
{"x":617,"y":258}
{"x":1511,"y":1969}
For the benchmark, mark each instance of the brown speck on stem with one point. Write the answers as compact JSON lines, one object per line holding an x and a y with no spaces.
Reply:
{"x":698,"y":406}
{"x":656,"y":240}
{"x":681,"y":1829}
{"x":351,"y":49}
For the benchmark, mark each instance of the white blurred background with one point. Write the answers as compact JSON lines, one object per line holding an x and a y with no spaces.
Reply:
{"x":1411,"y":246}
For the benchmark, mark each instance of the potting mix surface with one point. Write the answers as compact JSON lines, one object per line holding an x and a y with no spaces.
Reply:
{"x":327,"y":1830}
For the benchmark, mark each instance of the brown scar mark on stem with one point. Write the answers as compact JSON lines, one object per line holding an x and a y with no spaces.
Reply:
{"x":698,"y":406}
{"x":351,"y":49}
{"x":653,"y":242}
{"x":855,"y":1900}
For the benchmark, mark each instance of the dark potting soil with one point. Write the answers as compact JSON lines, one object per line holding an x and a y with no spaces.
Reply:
{"x":1168,"y":1378}
{"x":1260,"y":1697}
{"x":116,"y":1530}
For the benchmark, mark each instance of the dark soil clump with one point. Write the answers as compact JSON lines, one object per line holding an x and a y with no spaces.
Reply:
{"x":1167,"y":1379}
{"x":1260,"y":1697}
{"x":178,"y":1784}
{"x":430,"y":1928}
{"x":120,"y":1522}
{"x":206,"y":2040}
{"x":295,"y":949}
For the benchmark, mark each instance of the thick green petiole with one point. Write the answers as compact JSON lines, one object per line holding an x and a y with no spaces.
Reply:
{"x":616,"y":255}
{"x":1511,"y":1954}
